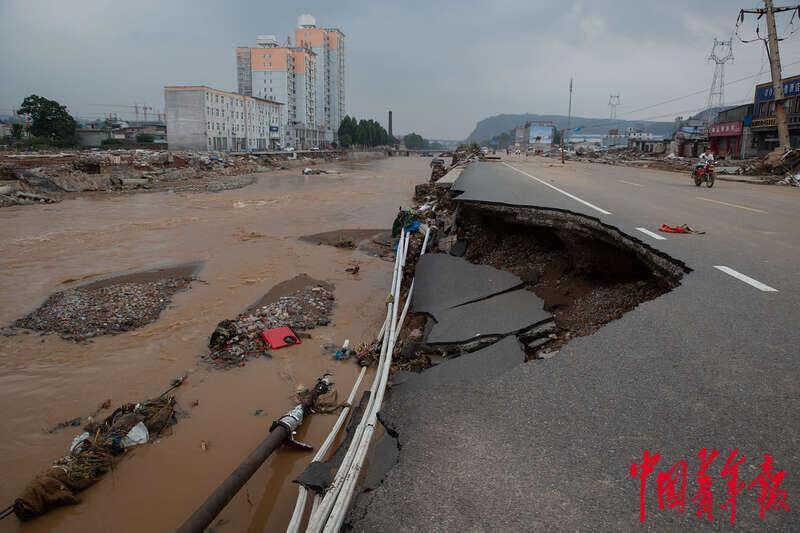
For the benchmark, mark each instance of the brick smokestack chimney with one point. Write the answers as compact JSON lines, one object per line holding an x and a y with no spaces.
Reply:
{"x":390,"y":124}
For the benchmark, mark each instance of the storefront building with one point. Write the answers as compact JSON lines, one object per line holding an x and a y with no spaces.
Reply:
{"x":763,"y":127}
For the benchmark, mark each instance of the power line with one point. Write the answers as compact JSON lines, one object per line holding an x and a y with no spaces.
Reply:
{"x":701,"y":91}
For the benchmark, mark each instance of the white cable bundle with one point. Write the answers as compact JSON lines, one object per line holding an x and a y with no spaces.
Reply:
{"x":332,"y":509}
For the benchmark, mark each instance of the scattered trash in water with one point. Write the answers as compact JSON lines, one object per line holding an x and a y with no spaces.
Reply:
{"x":94,"y":452}
{"x":279,"y":337}
{"x":234,"y":340}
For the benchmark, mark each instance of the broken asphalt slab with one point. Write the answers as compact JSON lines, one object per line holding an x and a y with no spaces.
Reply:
{"x":476,"y":366}
{"x":502,"y":314}
{"x":443,"y":281}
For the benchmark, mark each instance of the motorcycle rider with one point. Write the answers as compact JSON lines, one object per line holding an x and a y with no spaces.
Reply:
{"x":705,"y":158}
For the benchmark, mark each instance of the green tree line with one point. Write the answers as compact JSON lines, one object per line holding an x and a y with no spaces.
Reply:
{"x":415,"y":141}
{"x":362,"y":132}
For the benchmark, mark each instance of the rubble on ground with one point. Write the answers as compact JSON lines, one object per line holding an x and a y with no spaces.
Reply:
{"x":234,"y":340}
{"x":757,"y":167}
{"x":110,"y":305}
{"x":44,"y":178}
{"x":104,"y":308}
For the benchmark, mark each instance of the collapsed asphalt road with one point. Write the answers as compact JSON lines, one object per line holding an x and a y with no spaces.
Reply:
{"x":711,"y":364}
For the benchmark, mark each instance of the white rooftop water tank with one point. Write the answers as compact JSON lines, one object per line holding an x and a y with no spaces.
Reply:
{"x":306,"y":21}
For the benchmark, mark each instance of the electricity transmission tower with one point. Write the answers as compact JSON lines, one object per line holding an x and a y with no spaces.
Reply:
{"x":721,"y":53}
{"x":613,"y":102}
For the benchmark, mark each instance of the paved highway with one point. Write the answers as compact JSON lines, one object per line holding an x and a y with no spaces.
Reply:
{"x":712,"y":364}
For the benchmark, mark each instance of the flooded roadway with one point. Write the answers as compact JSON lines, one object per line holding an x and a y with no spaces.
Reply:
{"x":45,"y":380}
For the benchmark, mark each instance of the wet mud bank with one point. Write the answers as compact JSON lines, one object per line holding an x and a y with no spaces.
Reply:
{"x":375,"y":242}
{"x":109,"y":305}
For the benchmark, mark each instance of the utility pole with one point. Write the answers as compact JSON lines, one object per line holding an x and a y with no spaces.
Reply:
{"x":773,"y":54}
{"x":569,"y":120}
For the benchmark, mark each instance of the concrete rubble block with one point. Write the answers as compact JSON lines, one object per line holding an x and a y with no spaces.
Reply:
{"x":502,"y":314}
{"x":444,"y":281}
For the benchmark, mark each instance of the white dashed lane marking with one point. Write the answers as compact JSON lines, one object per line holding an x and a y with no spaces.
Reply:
{"x":565,"y":193}
{"x":651,"y":234}
{"x":747,"y":279}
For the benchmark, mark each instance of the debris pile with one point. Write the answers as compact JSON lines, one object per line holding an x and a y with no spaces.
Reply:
{"x":437,"y":169}
{"x":105,"y":307}
{"x":26,"y":179}
{"x":234,"y":340}
{"x":94,"y":452}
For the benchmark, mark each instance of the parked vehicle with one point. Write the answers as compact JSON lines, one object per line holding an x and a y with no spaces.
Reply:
{"x":704,"y":173}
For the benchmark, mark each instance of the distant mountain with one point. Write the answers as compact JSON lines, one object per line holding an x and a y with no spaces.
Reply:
{"x":489,"y":127}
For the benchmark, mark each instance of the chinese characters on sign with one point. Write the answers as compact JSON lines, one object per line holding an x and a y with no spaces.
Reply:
{"x":671,"y":484}
{"x":791,"y":87}
{"x":723,"y":129}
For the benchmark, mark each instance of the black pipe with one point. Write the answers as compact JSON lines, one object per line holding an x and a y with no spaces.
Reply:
{"x":281,"y":430}
{"x":215,"y":503}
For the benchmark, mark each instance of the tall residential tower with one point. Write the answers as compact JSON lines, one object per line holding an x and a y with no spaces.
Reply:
{"x":308,"y":78}
{"x":285,"y":74}
{"x":328,"y":45}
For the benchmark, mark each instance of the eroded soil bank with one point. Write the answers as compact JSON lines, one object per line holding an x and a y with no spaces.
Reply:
{"x":248,"y":241}
{"x":587,"y":275}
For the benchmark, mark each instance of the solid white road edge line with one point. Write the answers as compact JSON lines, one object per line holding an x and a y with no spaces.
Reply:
{"x":565,"y":193}
{"x":653,"y":235}
{"x":747,"y":279}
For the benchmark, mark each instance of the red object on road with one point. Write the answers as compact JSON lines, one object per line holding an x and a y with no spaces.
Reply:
{"x":679,"y":229}
{"x":673,"y":229}
{"x":279,"y":337}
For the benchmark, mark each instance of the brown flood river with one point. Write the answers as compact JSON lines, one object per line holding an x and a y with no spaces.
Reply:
{"x":45,"y":380}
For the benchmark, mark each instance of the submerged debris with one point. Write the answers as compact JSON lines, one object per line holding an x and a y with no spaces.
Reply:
{"x":93,"y":453}
{"x":234,"y":340}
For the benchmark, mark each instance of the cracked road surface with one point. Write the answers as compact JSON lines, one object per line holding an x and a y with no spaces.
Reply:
{"x":548,"y":445}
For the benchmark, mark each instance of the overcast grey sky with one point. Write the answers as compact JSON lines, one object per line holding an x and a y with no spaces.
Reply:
{"x":440,"y":65}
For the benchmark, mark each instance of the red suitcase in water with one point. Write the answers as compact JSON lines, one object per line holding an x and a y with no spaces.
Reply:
{"x":279,"y":337}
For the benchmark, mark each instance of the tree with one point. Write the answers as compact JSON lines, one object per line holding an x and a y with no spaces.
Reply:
{"x":363,"y":132}
{"x":16,"y":131}
{"x":49,"y":120}
{"x":414,"y":141}
{"x":145,"y":137}
{"x":347,"y":131}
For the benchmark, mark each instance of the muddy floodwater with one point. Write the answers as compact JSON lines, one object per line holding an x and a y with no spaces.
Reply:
{"x":247,"y":241}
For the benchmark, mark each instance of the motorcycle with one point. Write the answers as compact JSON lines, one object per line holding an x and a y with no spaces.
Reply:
{"x":704,"y":173}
